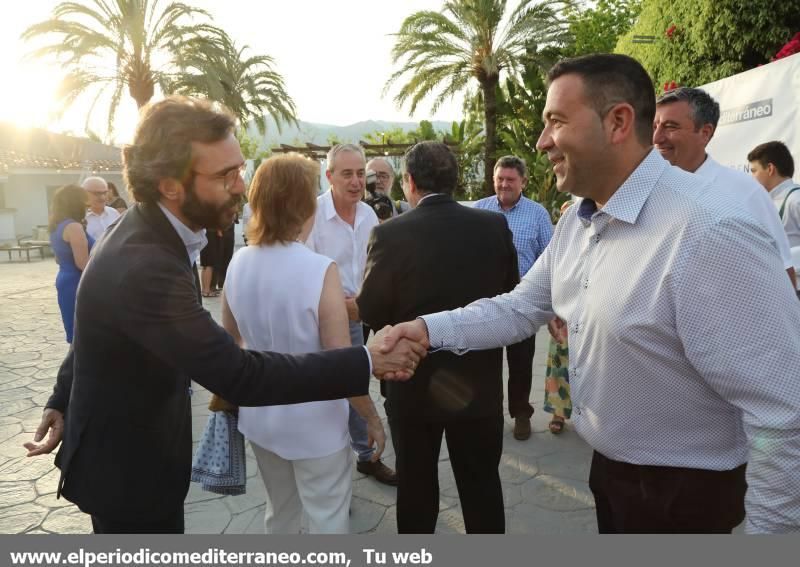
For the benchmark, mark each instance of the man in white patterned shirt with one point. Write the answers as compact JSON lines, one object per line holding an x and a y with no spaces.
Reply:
{"x":684,"y":334}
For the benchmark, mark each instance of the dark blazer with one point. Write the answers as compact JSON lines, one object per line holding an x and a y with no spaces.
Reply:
{"x":141,"y":333}
{"x":437,"y":257}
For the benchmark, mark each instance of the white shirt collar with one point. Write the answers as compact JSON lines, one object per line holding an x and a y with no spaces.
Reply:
{"x":426,"y":196}
{"x":778,"y":191}
{"x":194,"y":241}
{"x":90,"y":212}
{"x":708,"y":169}
{"x":329,"y":209}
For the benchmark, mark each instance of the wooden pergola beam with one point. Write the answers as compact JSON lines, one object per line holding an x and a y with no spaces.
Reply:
{"x":371,"y":150}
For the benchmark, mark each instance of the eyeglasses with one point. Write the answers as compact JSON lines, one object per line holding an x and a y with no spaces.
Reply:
{"x":229,"y":178}
{"x":383,"y":176}
{"x":98,"y":193}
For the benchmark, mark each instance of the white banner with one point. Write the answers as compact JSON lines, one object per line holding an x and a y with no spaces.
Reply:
{"x":757,"y":106}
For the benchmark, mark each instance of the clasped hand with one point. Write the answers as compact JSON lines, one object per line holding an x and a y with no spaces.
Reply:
{"x":396,"y":357}
{"x":396,"y":351}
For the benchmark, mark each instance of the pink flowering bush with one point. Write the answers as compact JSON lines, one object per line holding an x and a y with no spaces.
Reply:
{"x":791,"y":47}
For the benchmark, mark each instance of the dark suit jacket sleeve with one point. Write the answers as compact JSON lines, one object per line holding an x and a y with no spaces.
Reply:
{"x":513,"y":269}
{"x":163,"y":315}
{"x":60,"y":397}
{"x":377,"y":292}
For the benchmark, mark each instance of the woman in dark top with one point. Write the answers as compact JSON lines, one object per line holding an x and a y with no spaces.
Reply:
{"x":114,"y":200}
{"x":71,"y":246}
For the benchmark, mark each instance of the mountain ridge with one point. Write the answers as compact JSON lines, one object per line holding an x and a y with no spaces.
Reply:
{"x":319,"y":133}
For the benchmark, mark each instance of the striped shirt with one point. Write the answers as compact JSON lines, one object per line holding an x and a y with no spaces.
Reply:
{"x":684,"y":334}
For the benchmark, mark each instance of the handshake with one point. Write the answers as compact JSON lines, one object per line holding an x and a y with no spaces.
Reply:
{"x":396,"y":351}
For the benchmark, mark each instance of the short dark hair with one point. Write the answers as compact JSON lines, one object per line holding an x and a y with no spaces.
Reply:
{"x":432,"y":166}
{"x":777,"y":154}
{"x":69,"y":202}
{"x":512,"y":162}
{"x":610,"y":79}
{"x":705,"y":110}
{"x":162,"y":144}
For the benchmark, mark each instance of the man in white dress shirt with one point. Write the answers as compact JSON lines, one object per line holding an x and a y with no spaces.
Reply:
{"x":99,"y":216}
{"x":684,"y":337}
{"x":686,"y":119}
{"x":341,"y":231}
{"x":772,"y":166}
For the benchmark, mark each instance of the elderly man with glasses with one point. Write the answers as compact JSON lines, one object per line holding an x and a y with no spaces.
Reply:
{"x":99,"y":216}
{"x":384,"y":180}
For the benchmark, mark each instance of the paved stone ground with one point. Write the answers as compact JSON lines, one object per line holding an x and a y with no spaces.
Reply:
{"x":544,"y":479}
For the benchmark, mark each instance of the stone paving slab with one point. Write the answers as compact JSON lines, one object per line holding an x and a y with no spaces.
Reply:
{"x":544,"y":478}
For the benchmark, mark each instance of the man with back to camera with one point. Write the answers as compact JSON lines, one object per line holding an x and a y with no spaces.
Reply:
{"x":686,"y":120}
{"x":122,"y":397}
{"x":442,"y":255}
{"x":532,"y":229}
{"x":684,"y":337}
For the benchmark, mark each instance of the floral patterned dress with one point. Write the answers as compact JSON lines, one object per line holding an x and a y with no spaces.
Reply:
{"x":556,"y":382}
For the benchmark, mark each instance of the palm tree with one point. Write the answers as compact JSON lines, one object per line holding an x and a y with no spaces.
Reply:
{"x":473,"y":39}
{"x":115,"y":44}
{"x":248,"y":86}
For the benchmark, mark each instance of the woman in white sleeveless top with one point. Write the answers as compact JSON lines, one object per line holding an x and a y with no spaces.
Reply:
{"x":280,"y":296}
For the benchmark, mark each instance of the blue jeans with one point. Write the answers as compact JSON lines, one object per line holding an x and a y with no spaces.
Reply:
{"x":356,"y":423}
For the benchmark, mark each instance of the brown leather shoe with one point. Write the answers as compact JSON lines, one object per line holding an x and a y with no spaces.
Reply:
{"x":522,"y":428}
{"x":381,"y":472}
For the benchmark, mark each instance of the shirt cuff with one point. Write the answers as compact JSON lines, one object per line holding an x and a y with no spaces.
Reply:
{"x":369,"y":357}
{"x":441,"y":333}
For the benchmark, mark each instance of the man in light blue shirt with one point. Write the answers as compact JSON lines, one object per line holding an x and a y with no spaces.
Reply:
{"x":532,"y":229}
{"x":684,"y":332}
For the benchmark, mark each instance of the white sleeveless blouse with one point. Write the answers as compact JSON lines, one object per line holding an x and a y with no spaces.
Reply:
{"x":273,"y":293}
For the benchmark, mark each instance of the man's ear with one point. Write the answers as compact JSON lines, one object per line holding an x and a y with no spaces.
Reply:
{"x":771,"y":169}
{"x":171,"y":189}
{"x":707,"y":131}
{"x":619,"y":122}
{"x":412,"y":186}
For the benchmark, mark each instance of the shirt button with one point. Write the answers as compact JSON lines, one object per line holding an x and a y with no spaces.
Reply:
{"x":578,"y":411}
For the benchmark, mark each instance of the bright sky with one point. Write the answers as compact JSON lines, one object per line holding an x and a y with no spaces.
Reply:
{"x":334,"y":57}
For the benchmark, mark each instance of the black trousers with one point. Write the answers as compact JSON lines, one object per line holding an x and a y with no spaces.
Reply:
{"x":520,"y":376}
{"x":475,"y":447}
{"x":652,"y":499}
{"x":171,"y":524}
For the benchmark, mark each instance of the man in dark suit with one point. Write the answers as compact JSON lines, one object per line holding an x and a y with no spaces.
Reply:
{"x":442,"y":255}
{"x":122,"y":395}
